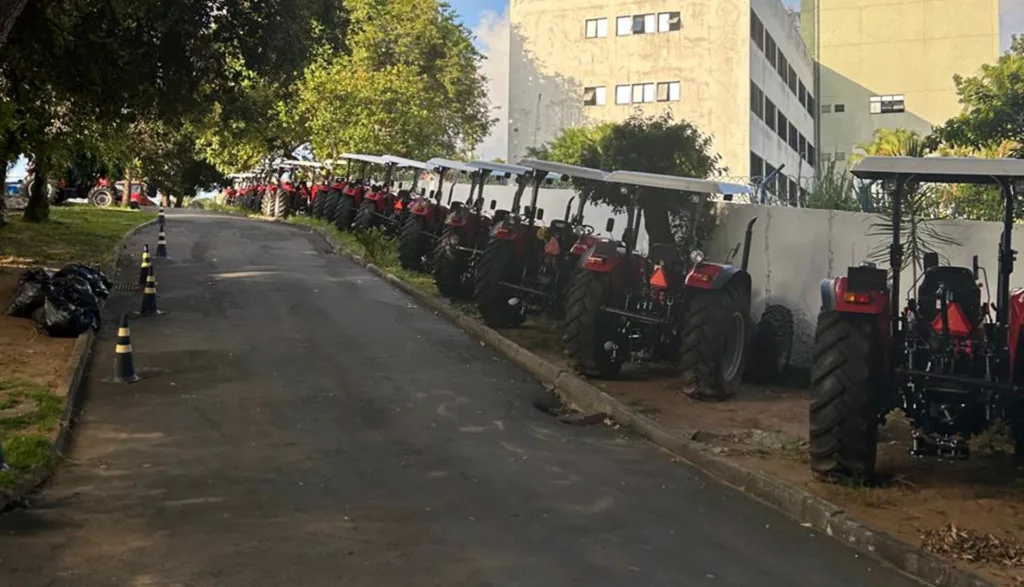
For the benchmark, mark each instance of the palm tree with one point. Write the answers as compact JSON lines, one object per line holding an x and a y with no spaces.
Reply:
{"x":833,"y":189}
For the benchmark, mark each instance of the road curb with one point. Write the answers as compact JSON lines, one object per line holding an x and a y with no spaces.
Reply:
{"x":70,"y":387}
{"x":791,"y":500}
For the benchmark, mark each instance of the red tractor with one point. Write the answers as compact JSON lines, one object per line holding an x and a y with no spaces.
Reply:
{"x":669,"y":306}
{"x":468,"y":230}
{"x":355,"y":189}
{"x":527,"y":267}
{"x":325,"y":203}
{"x":425,"y":218}
{"x":384,"y":207}
{"x":951,"y":362}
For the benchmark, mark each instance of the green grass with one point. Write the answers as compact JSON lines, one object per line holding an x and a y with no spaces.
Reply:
{"x":29,"y":415}
{"x":74,"y":234}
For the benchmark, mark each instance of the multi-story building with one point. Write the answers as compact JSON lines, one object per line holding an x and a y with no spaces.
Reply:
{"x":890,"y":63}
{"x":737,"y":69}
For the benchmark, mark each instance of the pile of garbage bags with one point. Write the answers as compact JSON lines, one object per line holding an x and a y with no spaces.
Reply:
{"x":64,"y":304}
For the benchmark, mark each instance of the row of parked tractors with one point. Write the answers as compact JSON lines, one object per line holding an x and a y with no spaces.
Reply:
{"x":947,"y":360}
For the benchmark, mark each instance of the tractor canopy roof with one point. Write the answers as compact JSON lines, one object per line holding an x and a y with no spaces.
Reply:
{"x":407,"y":163}
{"x":940,"y":169}
{"x":440,"y":163}
{"x":564,"y":169}
{"x":502,"y":168}
{"x":364,"y":158}
{"x":308,"y":164}
{"x":675,"y":182}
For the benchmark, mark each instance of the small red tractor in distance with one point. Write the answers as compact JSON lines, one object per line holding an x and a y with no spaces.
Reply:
{"x":328,"y":194}
{"x":527,"y":267}
{"x":355,"y":189}
{"x":669,"y":307}
{"x":425,"y":217}
{"x":384,"y":207}
{"x":949,"y":361}
{"x":467,"y":231}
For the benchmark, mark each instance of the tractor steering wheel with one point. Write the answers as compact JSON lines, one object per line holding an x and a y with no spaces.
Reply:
{"x":584,"y":230}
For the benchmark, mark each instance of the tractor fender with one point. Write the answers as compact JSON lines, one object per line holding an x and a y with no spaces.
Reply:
{"x":1016,"y":323}
{"x":603,"y":257}
{"x":834,"y":298}
{"x":714,"y":276}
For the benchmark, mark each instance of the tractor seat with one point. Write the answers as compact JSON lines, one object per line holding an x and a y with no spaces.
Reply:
{"x":665,"y":254}
{"x":957,"y":280}
{"x":559,"y":224}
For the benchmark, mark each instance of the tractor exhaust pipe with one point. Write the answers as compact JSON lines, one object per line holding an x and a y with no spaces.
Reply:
{"x":746,"y":244}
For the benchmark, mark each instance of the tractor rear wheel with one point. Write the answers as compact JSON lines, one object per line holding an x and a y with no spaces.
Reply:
{"x":410,"y":243}
{"x":366,"y":215}
{"x":497,"y":264}
{"x":318,"y":205}
{"x":844,"y":397}
{"x":281,"y":205}
{"x":772,"y":345}
{"x":714,"y":340}
{"x":345,"y":213}
{"x":450,"y":265}
{"x":588,"y":328}
{"x":102,"y":198}
{"x":331,"y":205}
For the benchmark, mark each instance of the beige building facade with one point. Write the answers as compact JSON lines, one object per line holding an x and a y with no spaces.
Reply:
{"x":738,"y":69}
{"x":890,"y":63}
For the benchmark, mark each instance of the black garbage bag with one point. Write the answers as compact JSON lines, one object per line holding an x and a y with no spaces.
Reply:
{"x":97,"y":280}
{"x":62,"y":319}
{"x":30,"y":294}
{"x":76,"y":290}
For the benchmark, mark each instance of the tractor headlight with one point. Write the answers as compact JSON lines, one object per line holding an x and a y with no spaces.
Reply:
{"x":697,"y":256}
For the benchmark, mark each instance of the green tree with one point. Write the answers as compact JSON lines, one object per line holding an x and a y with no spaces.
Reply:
{"x":410,"y":84}
{"x":833,"y":189}
{"x":653,"y":144}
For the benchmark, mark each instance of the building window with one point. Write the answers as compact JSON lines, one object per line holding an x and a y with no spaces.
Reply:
{"x":756,"y":165}
{"x":782,"y":66}
{"x":803,"y":95}
{"x":826,"y":109}
{"x":769,"y":169}
{"x":643,"y":93}
{"x":793,"y":80}
{"x":622,"y":94}
{"x":769,"y":48}
{"x":669,"y":21}
{"x":624,"y":26}
{"x":794,"y":192}
{"x":840,"y":108}
{"x":810,"y":104}
{"x":770,"y":112}
{"x":596,"y":96}
{"x":782,"y":126}
{"x":597,"y":28}
{"x":810,"y":155}
{"x":803,"y":147}
{"x":794,"y":138}
{"x":756,"y":100}
{"x":888,"y":104}
{"x":840,"y":156}
{"x":668,"y":92}
{"x":757,"y":30}
{"x":644,"y":24}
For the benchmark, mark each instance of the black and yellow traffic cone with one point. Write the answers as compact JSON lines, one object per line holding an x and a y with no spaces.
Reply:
{"x":149,"y":296}
{"x":146,"y":264}
{"x":161,"y":219}
{"x":161,"y":244}
{"x":124,"y":366}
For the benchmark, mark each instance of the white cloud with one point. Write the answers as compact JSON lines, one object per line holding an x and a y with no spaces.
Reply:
{"x":493,"y":39}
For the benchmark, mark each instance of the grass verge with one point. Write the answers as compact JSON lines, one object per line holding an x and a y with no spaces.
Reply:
{"x":29,"y":415}
{"x":74,"y":234}
{"x":209,"y":204}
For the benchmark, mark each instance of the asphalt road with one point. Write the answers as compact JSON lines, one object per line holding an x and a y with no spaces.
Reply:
{"x":301,"y":423}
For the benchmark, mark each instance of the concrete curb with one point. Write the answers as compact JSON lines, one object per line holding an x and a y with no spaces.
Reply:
{"x":70,"y":387}
{"x":790,"y":500}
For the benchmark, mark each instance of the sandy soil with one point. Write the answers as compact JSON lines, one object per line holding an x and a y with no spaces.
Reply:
{"x":25,"y":353}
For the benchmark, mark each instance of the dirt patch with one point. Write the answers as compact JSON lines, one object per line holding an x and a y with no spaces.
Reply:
{"x":24,"y":353}
{"x":970,"y":512}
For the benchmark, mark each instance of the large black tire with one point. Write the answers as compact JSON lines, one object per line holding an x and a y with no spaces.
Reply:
{"x":366,"y":216}
{"x":281,"y":204}
{"x":714,"y":341}
{"x":497,"y":264}
{"x":265,"y":204}
{"x":410,"y":243}
{"x":345,"y":213}
{"x":318,"y":205}
{"x":331,"y":205}
{"x":102,"y":198}
{"x":588,"y":328}
{"x":845,"y":397}
{"x":450,"y":265}
{"x":772,"y":346}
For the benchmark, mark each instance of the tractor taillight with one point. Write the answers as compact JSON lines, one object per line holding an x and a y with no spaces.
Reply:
{"x":595,"y":261}
{"x":502,"y":231}
{"x":578,"y":249}
{"x":857,"y":298}
{"x":705,"y":277}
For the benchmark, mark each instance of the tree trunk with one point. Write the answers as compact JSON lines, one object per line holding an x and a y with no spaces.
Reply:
{"x":165,"y":200}
{"x":10,"y":10}
{"x":179,"y":200}
{"x":38,"y":207}
{"x":126,"y":197}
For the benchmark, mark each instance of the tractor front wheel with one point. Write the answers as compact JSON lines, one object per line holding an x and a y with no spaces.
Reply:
{"x":588,"y":328}
{"x":772,"y":345}
{"x":345,"y":213}
{"x":410,"y":243}
{"x":714,"y":340}
{"x":450,"y":265}
{"x":366,"y":215}
{"x":102,"y":198}
{"x":497,"y":264}
{"x":844,"y":397}
{"x":331,"y":202}
{"x":318,"y":205}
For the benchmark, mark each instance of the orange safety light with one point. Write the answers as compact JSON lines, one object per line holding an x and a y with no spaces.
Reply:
{"x":857,"y":298}
{"x":552,"y":247}
{"x":399,"y":205}
{"x":658,"y":279}
{"x":958,"y":324}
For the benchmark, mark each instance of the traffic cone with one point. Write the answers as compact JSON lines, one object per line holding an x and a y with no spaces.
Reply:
{"x":161,"y":244}
{"x":124,"y":366}
{"x":161,"y":219}
{"x":146,"y":264}
{"x":149,"y":296}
